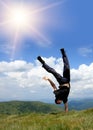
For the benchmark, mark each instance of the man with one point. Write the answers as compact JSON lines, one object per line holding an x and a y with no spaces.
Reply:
{"x":61,"y":94}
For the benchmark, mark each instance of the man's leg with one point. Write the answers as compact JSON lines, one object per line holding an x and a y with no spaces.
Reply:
{"x":66,"y":69}
{"x":50,"y":70}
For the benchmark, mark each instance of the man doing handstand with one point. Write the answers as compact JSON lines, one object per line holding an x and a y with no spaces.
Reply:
{"x":61,"y":94}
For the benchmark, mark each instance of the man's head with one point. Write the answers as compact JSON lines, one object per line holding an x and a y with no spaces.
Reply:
{"x":58,"y":101}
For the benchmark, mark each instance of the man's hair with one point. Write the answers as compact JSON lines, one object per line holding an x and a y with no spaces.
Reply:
{"x":56,"y":101}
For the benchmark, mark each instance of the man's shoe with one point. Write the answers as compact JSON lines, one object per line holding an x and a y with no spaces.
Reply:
{"x":62,"y":50}
{"x":40,"y":59}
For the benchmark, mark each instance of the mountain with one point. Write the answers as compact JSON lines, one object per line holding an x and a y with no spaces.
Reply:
{"x":81,"y":104}
{"x":18,"y":107}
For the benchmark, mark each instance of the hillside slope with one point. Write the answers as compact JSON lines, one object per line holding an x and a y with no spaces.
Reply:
{"x":19,"y":107}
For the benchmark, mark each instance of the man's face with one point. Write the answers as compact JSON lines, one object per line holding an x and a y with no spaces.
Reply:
{"x":59,"y":102}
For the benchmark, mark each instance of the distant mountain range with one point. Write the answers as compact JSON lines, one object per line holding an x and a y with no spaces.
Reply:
{"x":19,"y":107}
{"x":81,"y":104}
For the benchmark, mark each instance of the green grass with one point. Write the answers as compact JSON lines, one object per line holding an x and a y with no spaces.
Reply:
{"x":73,"y":120}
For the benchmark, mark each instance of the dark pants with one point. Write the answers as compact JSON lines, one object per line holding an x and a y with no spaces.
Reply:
{"x":66,"y":71}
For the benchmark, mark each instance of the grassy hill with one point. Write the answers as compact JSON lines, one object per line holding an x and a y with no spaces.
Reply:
{"x":19,"y":107}
{"x":73,"y":120}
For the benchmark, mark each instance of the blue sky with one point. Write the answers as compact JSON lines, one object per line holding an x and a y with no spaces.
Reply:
{"x":50,"y":25}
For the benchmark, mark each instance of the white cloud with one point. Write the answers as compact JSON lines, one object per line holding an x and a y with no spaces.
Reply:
{"x":82,"y":81}
{"x":23,"y":81}
{"x":85,"y":51}
{"x":5,"y":47}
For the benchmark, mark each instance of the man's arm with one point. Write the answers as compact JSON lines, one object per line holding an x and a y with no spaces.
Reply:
{"x":66,"y":107}
{"x":51,"y":82}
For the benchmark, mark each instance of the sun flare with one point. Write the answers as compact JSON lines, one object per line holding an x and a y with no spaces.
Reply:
{"x":20,"y":19}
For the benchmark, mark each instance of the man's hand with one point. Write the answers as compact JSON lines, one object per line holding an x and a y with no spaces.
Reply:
{"x":51,"y":82}
{"x":45,"y":78}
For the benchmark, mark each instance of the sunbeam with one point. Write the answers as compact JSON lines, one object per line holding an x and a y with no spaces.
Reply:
{"x":40,"y":35}
{"x":15,"y":44}
{"x":48,"y":7}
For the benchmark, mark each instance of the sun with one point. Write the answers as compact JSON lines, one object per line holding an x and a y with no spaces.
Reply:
{"x":19,"y":17}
